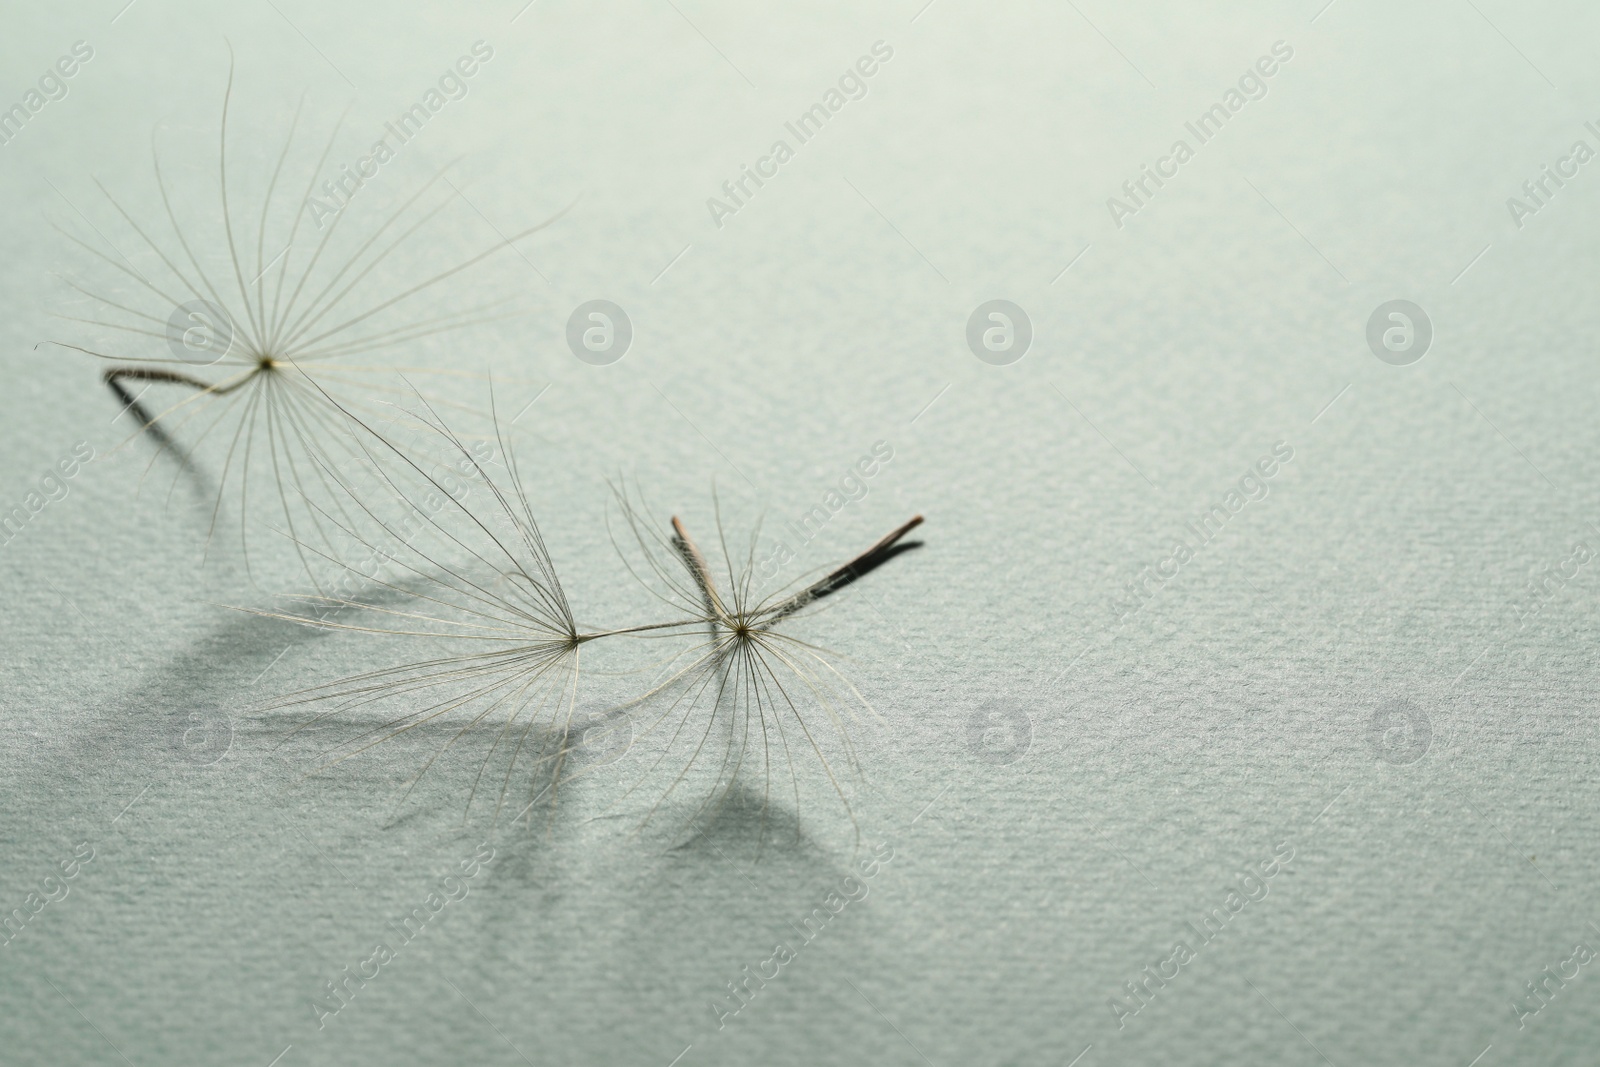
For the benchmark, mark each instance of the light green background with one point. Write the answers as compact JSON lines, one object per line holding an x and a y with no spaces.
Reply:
{"x":1230,"y":715}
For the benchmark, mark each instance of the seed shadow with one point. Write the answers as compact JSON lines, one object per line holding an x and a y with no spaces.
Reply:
{"x":151,"y":428}
{"x":653,"y":933}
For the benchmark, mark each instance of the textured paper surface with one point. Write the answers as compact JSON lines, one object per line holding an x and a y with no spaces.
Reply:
{"x":1439,"y":867}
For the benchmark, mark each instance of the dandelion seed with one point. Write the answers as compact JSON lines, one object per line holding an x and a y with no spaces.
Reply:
{"x":476,"y":576}
{"x":291,"y":319}
{"x":746,"y":678}
{"x":479,"y":576}
{"x":479,"y":579}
